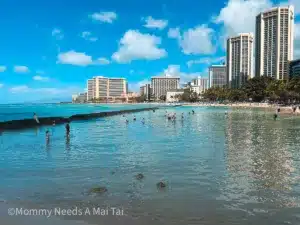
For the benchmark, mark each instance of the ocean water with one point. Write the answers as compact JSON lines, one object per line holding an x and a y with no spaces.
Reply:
{"x":25,"y":111}
{"x":243,"y":168}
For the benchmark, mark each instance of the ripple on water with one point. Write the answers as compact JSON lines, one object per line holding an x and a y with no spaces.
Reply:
{"x":238,"y":169}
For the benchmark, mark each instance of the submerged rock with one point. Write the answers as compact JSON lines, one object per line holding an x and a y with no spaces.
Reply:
{"x":161,"y":185}
{"x":98,"y":190}
{"x":139,"y":176}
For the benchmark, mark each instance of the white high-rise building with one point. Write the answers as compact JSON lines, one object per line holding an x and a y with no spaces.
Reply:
{"x":239,"y":59}
{"x":103,"y":87}
{"x":199,"y":85}
{"x":161,"y":84}
{"x":274,"y":42}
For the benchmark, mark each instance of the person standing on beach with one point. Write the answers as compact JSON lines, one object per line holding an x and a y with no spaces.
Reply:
{"x":294,"y":109}
{"x":278,"y":110}
{"x":36,"y":118}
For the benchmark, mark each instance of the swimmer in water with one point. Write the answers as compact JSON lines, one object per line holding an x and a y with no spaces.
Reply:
{"x":143,"y":121}
{"x":275,"y":116}
{"x":134,"y":118}
{"x":182,"y":116}
{"x":47,"y":136}
{"x":127,"y":121}
{"x":193,"y":111}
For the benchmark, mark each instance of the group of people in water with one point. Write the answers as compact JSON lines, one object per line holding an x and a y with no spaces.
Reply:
{"x":169,"y":116}
{"x":67,"y":127}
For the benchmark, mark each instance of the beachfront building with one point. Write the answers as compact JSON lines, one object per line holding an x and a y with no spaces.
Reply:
{"x":174,"y":95}
{"x":239,"y":59}
{"x":217,"y":76}
{"x":274,"y":42}
{"x":294,"y":68}
{"x":199,"y":85}
{"x":79,"y":98}
{"x":145,"y":90}
{"x":161,"y":84}
{"x":106,"y":88}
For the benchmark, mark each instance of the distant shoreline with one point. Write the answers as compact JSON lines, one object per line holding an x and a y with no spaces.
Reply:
{"x":269,"y":107}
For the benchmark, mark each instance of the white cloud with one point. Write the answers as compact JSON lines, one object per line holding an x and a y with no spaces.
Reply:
{"x":40,"y":78}
{"x":2,"y":69}
{"x":75,"y":58}
{"x":105,"y":17}
{"x":80,"y":59}
{"x":174,"y":33}
{"x":21,"y":69}
{"x":174,"y":70}
{"x":1,"y":85}
{"x":152,"y":23}
{"x":88,"y":36}
{"x":206,"y":60}
{"x":197,"y":40}
{"x":296,"y":4}
{"x":57,"y":33}
{"x":19,"y":89}
{"x":238,"y":16}
{"x":102,"y":61}
{"x":135,"y":45}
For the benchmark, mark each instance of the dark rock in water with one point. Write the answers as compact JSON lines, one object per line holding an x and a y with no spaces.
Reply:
{"x":98,"y":190}
{"x":161,"y":185}
{"x":46,"y":121}
{"x":139,"y":176}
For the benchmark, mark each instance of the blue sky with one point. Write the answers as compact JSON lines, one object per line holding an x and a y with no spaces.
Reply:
{"x":48,"y":49}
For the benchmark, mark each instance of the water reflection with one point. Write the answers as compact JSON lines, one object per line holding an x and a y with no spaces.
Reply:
{"x":259,"y":160}
{"x":68,"y":143}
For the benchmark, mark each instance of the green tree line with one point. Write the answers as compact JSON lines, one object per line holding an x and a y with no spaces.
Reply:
{"x":258,"y":89}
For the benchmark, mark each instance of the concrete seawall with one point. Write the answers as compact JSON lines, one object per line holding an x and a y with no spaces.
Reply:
{"x":30,"y":123}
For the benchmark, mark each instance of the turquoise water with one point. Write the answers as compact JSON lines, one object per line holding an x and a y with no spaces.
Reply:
{"x":25,"y":111}
{"x":243,"y":168}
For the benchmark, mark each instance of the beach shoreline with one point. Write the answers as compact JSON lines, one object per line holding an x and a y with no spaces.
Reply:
{"x":266,"y":106}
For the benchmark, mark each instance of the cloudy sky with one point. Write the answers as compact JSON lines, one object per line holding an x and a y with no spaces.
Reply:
{"x":48,"y":49}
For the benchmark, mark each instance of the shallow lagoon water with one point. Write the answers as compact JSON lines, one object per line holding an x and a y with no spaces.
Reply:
{"x":242,"y":168}
{"x":25,"y":111}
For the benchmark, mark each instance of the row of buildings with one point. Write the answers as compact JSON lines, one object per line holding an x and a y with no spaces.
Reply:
{"x":274,"y":45}
{"x":274,"y":38}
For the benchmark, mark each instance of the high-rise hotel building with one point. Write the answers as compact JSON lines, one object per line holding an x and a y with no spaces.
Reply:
{"x":103,"y":87}
{"x":217,"y":76}
{"x":239,"y":59}
{"x":274,"y":42}
{"x":161,"y":84}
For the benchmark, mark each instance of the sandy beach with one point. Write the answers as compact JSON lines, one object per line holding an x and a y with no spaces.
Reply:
{"x":266,"y":106}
